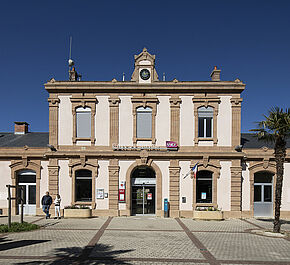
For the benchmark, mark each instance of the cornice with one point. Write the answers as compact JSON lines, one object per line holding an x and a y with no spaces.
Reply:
{"x":108,"y":86}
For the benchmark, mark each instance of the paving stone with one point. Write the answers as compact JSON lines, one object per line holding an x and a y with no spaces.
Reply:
{"x":245,"y":246}
{"x":144,"y":223}
{"x":146,"y":244}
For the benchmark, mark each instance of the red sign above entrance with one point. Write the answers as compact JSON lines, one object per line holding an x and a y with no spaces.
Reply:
{"x":170,"y":145}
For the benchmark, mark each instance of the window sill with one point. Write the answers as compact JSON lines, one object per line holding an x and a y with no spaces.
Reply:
{"x":204,"y":139}
{"x":83,"y":139}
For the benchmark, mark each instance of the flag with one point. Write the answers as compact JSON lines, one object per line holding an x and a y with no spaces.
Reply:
{"x":194,"y":169}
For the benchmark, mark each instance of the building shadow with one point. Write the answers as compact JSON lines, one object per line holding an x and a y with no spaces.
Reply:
{"x":271,"y":220}
{"x":99,"y":254}
{"x":6,"y":244}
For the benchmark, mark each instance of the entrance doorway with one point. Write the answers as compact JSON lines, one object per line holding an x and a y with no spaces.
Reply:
{"x":27,"y":180}
{"x":143,"y":182}
{"x":263,"y":194}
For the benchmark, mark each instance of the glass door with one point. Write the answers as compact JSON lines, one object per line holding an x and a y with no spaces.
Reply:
{"x":263,"y":200}
{"x":29,"y":194}
{"x":143,"y":200}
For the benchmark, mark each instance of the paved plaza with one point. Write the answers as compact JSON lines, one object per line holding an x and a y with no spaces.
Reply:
{"x":144,"y":240}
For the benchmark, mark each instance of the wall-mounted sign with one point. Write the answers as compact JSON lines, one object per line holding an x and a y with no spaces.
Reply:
{"x":122,"y":184}
{"x":100,"y":193}
{"x":203,"y":195}
{"x":143,"y":181}
{"x":122,"y":195}
{"x":170,"y":145}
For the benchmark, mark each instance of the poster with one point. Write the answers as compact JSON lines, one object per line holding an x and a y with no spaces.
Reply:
{"x":149,"y":196}
{"x":100,"y":193}
{"x":203,"y":195}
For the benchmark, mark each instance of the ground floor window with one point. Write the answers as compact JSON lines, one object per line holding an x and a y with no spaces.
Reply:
{"x":204,"y":187}
{"x":83,"y":185}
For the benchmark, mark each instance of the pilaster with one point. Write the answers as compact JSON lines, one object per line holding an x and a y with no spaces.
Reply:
{"x":113,"y":186}
{"x":175,"y":119}
{"x":53,"y":169}
{"x":53,"y":119}
{"x":114,"y":120}
{"x":236,"y":186}
{"x":174,"y":176}
{"x":236,"y":121}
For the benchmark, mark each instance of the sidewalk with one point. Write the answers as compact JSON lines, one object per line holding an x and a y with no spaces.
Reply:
{"x":144,"y":240}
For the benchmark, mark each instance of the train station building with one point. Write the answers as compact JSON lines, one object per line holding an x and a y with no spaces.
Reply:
{"x":123,"y":147}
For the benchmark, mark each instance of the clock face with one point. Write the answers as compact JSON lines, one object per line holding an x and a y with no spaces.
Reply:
{"x":145,"y":74}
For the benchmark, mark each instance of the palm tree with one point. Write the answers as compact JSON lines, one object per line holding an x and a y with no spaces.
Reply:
{"x":276,"y":128}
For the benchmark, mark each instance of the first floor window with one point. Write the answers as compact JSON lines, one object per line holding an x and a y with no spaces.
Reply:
{"x":83,"y":185}
{"x":144,"y":123}
{"x":205,"y":122}
{"x":204,"y":187}
{"x":83,"y":122}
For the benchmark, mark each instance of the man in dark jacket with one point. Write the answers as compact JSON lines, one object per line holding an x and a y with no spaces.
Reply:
{"x":46,"y":202}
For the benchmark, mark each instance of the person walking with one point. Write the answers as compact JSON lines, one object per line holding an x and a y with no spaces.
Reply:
{"x":46,"y":201}
{"x":57,"y":207}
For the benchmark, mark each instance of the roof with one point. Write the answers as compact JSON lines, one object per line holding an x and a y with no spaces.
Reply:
{"x":249,"y":140}
{"x":31,"y":139}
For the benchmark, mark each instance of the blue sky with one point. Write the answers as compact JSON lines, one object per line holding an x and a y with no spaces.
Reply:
{"x":249,"y":40}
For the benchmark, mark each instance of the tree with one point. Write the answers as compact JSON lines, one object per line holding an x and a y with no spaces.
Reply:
{"x":276,"y":128}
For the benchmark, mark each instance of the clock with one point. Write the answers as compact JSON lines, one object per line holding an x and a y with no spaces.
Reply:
{"x":145,"y":74}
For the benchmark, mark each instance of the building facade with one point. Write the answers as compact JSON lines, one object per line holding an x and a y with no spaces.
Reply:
{"x":123,"y":147}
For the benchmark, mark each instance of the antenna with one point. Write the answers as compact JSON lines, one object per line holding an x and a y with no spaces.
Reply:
{"x":70,"y":61}
{"x":123,"y":76}
{"x":163,"y":76}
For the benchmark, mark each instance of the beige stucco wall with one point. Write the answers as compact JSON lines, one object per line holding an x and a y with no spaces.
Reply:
{"x":186,"y":186}
{"x":246,"y":188}
{"x":65,"y":121}
{"x":124,"y":165}
{"x":102,"y":182}
{"x":224,"y":186}
{"x":186,"y":121}
{"x":224,"y":122}
{"x":5,"y":176}
{"x":163,"y":121}
{"x":102,"y":122}
{"x":65,"y":183}
{"x":125,"y":121}
{"x":164,"y":168}
{"x":285,"y":206}
{"x":44,"y":179}
{"x":205,"y":143}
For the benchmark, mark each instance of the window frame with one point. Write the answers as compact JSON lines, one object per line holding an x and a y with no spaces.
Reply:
{"x":205,"y":123}
{"x":137,"y":120}
{"x":144,"y":102}
{"x":76,"y":182}
{"x":206,"y":102}
{"x":84,"y":103}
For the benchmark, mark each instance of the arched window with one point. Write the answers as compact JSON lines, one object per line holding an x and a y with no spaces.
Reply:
{"x":205,"y":122}
{"x":83,"y":122}
{"x":204,"y":187}
{"x":144,"y":123}
{"x":83,"y":185}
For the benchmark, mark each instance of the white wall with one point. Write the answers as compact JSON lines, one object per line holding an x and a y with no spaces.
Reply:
{"x":44,"y":179}
{"x":285,"y":206}
{"x":163,"y":121}
{"x":164,"y":168}
{"x":124,"y":165}
{"x":125,"y":121}
{"x":65,"y":121}
{"x":102,"y":182}
{"x":246,"y":189}
{"x":102,"y":121}
{"x":224,"y":186}
{"x":65,"y":183}
{"x":186,"y":186}
{"x":186,"y":121}
{"x":5,"y":176}
{"x":224,"y":122}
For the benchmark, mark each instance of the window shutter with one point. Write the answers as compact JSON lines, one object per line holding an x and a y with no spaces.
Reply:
{"x":83,"y":123}
{"x":144,"y":123}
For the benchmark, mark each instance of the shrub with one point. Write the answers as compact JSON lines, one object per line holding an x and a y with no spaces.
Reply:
{"x":76,"y":207}
{"x":18,"y":227}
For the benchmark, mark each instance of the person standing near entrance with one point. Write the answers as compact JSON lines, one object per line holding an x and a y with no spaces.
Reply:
{"x":57,"y":206}
{"x":46,"y":202}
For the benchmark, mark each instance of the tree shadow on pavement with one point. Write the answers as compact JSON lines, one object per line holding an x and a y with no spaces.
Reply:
{"x":76,"y":256}
{"x":6,"y":244}
{"x":271,"y":220}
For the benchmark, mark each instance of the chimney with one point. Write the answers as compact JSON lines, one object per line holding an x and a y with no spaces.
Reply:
{"x":215,"y":74}
{"x":20,"y":127}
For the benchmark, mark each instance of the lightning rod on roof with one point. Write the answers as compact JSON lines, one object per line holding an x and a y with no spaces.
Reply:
{"x":70,"y":61}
